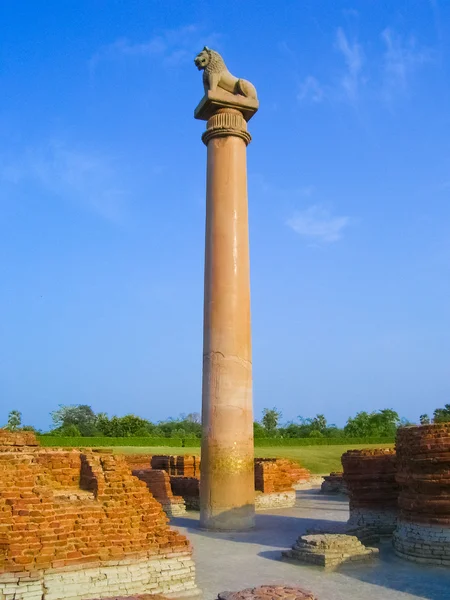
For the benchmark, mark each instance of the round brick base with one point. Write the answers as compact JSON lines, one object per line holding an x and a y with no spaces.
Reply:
{"x":422,"y":543}
{"x":266,"y":592}
{"x":380,"y":521}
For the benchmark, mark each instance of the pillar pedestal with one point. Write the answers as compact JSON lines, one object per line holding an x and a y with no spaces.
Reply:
{"x":227,"y":489}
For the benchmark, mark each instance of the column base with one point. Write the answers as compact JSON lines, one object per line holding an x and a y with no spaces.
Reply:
{"x":228,"y":519}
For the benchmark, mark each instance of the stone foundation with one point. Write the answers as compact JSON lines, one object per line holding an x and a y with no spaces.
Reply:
{"x":167,"y":574}
{"x":381,"y":521}
{"x":274,"y":500}
{"x":328,"y":550}
{"x":423,"y":543}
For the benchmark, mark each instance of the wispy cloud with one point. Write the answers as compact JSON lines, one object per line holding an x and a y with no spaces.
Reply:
{"x":387,"y":73}
{"x":172,"y":47}
{"x":354,"y":59}
{"x":310,"y":90}
{"x":318,"y":225}
{"x":401,"y":58}
{"x":82,"y":177}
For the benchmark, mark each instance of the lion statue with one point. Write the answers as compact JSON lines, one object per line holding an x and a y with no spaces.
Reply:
{"x":216,"y":75}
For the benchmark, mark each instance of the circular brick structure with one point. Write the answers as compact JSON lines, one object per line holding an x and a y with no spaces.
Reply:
{"x":423,"y":473}
{"x":269,"y":592}
{"x":372,"y":488}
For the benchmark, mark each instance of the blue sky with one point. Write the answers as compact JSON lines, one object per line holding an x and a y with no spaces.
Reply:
{"x":102,"y":185}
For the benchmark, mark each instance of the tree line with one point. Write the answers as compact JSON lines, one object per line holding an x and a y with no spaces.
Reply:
{"x":80,"y":420}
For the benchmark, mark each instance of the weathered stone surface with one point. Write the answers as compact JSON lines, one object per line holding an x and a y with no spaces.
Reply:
{"x":269,"y":592}
{"x":423,"y":530}
{"x":373,"y":491}
{"x":273,"y":500}
{"x":329,"y":549}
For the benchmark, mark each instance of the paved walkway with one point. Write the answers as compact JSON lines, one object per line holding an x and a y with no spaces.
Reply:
{"x":239,"y":560}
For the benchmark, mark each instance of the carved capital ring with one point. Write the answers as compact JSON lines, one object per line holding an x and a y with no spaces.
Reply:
{"x":226,"y":122}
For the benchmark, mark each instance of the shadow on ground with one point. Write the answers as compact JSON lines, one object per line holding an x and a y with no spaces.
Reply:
{"x":386,"y":577}
{"x":388,"y":571}
{"x":276,"y":529}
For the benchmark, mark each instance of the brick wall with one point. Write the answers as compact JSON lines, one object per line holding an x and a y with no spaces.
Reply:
{"x":181,"y":466}
{"x":274,"y":475}
{"x":423,"y":474}
{"x":138,"y":461}
{"x":373,"y":491}
{"x":188,"y":488}
{"x":40,"y":529}
{"x":158,"y":482}
{"x":10,"y":439}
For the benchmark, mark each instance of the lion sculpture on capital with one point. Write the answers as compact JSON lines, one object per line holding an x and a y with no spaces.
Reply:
{"x":216,"y":75}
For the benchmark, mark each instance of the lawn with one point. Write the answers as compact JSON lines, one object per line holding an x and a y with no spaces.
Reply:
{"x":318,"y":459}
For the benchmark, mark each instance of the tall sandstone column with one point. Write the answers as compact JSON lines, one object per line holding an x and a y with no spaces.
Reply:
{"x":227,"y":491}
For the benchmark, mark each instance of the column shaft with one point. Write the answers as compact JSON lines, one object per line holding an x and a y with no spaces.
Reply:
{"x":227,"y":472}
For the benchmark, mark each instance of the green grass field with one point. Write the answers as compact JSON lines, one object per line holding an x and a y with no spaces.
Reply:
{"x":318,"y":459}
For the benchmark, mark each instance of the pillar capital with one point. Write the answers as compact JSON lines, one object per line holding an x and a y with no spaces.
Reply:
{"x":226,"y":122}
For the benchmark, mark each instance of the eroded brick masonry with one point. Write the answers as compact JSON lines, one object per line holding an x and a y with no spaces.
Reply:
{"x":423,"y":529}
{"x":369,"y":476}
{"x":78,"y":525}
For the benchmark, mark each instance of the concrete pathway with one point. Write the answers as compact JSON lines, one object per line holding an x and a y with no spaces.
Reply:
{"x":239,"y":560}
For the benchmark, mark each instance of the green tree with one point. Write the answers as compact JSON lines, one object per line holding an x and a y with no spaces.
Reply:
{"x":258,"y":430}
{"x":68,"y":431}
{"x":424,"y":419}
{"x":270,"y":420}
{"x":14,"y":420}
{"x":319,"y":423}
{"x":383,"y":423}
{"x":442,"y":415}
{"x":80,"y":415}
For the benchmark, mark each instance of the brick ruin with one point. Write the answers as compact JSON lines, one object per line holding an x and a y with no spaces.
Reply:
{"x":77,"y":525}
{"x":189,"y":489}
{"x":328,"y":550}
{"x":423,"y":529}
{"x":373,"y":491}
{"x":177,"y":466}
{"x":275,"y":480}
{"x":263,"y":592}
{"x":334,"y":483}
{"x":158,"y":482}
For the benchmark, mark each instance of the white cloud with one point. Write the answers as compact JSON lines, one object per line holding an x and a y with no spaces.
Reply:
{"x":354,"y":59}
{"x":311,"y":90}
{"x":81,"y":177}
{"x":401,"y":58}
{"x":172,"y":47}
{"x":317,"y":224}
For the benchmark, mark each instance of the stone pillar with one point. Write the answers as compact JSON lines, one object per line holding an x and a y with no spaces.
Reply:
{"x":227,"y":492}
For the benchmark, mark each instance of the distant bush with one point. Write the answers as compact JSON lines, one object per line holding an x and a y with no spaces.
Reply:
{"x":95,"y":442}
{"x":191,"y":442}
{"x":319,"y":441}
